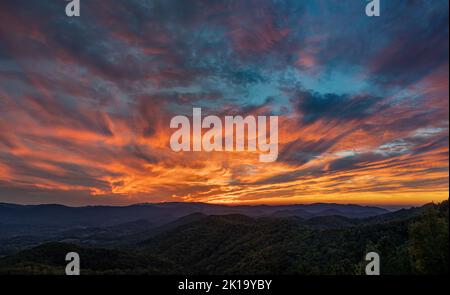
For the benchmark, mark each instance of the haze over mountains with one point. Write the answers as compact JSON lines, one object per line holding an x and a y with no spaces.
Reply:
{"x":160,"y":213}
{"x":23,"y":226}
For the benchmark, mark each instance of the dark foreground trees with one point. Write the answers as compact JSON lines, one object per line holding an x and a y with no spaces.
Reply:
{"x":429,"y":244}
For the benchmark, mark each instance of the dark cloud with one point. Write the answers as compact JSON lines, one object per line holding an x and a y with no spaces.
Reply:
{"x":314,"y":106}
{"x":29,"y":170}
{"x":354,"y":162}
{"x":419,"y":42}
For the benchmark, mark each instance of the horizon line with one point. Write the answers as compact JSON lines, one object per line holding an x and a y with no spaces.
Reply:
{"x":384,"y":206}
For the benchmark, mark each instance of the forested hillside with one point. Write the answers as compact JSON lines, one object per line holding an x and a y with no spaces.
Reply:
{"x":411,"y":241}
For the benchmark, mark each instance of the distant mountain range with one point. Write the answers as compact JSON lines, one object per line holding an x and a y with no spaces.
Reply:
{"x":24,"y":226}
{"x":161,"y":213}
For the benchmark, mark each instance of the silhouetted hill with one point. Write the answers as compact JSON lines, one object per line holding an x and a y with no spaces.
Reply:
{"x":49,"y":258}
{"x":236,"y":244}
{"x":331,"y":221}
{"x":25,"y":226}
{"x":158,"y":214}
{"x":63,"y":216}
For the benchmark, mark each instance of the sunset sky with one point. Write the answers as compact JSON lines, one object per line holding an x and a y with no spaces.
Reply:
{"x":86,"y":102}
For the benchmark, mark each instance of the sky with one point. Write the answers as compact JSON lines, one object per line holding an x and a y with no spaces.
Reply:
{"x":86,"y":102}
